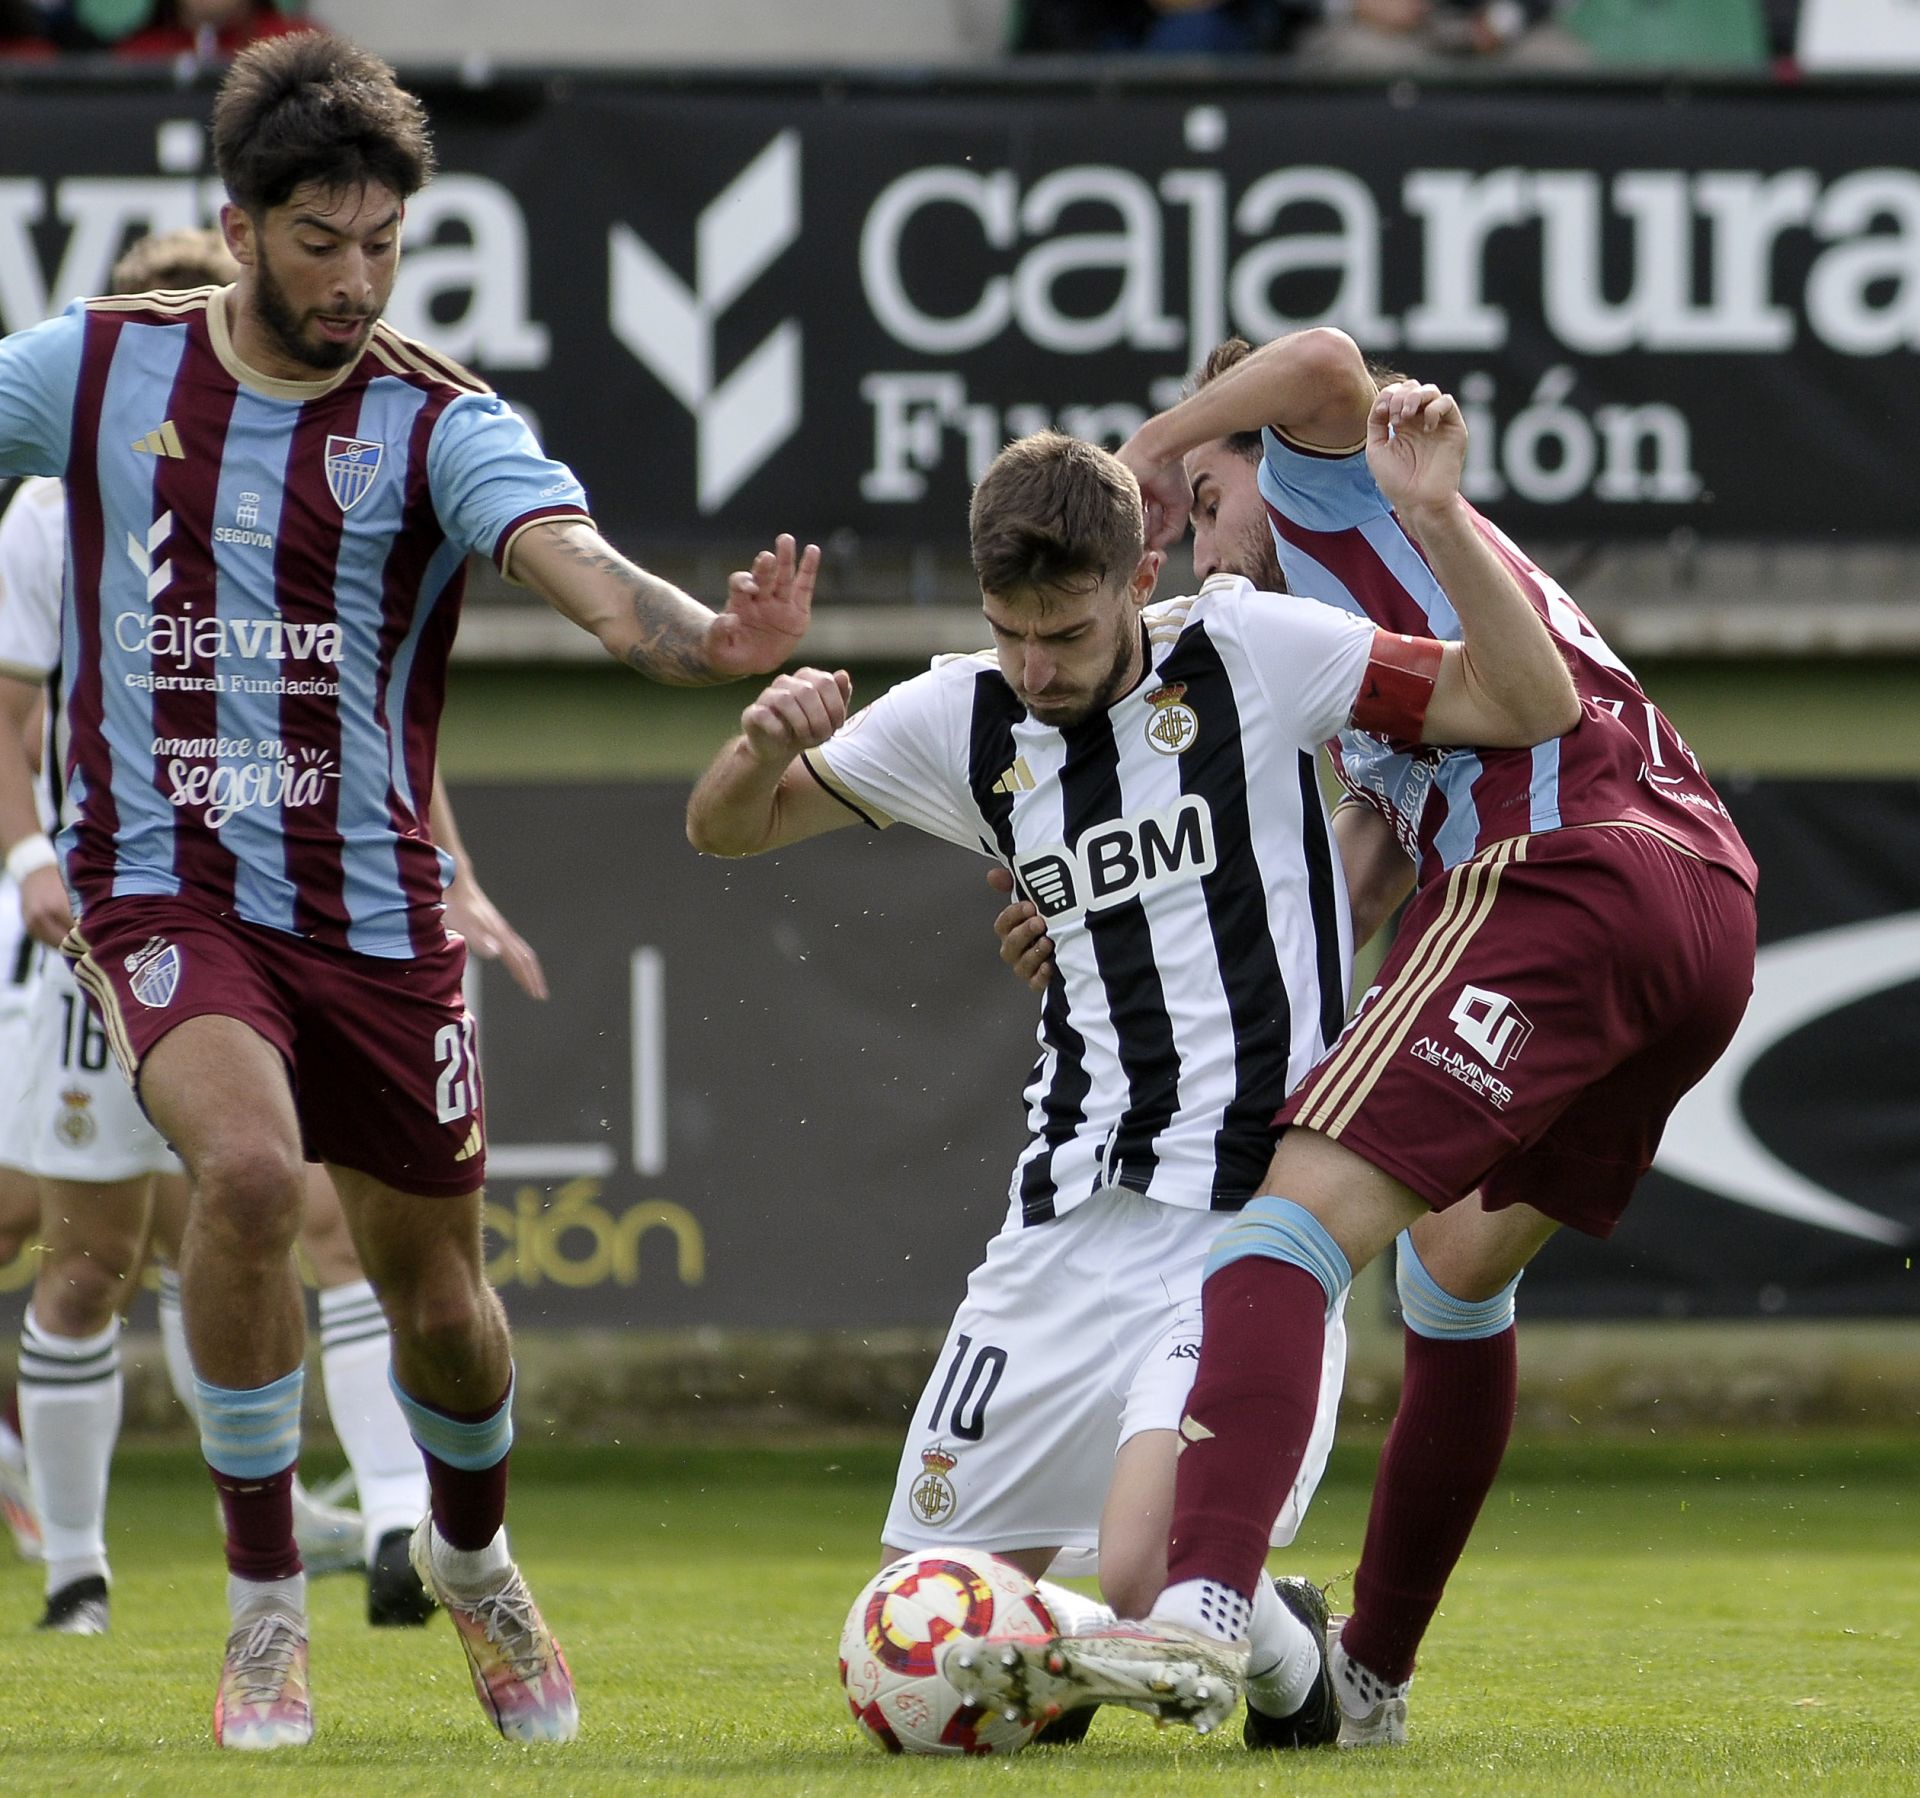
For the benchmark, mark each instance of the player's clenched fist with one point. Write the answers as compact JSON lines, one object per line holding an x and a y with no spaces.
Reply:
{"x":799,"y":711}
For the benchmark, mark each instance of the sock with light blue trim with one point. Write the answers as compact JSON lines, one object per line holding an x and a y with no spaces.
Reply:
{"x":251,"y":1440}
{"x":466,"y":1456}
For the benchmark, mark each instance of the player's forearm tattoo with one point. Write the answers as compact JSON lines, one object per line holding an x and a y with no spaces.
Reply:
{"x":673,"y":628}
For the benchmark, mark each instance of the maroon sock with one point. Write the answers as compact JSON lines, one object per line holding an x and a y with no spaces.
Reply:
{"x":1254,"y":1395}
{"x":1438,"y":1465}
{"x":259,"y":1514}
{"x":469,"y":1504}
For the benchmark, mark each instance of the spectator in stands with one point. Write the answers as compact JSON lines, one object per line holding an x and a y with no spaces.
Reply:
{"x":206,"y":29}
{"x":23,"y":30}
{"x":1153,"y":27}
{"x":1416,"y":34}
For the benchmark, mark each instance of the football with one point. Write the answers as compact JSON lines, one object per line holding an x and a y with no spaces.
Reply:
{"x":889,"y":1650}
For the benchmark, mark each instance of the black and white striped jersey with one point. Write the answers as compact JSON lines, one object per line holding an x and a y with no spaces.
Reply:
{"x":1178,"y":845}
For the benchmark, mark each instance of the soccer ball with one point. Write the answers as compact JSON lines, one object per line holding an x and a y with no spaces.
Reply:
{"x":889,"y":1650}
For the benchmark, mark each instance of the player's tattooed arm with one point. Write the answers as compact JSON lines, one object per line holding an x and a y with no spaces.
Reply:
{"x":655,"y":628}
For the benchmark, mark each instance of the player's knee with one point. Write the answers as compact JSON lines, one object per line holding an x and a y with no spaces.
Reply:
{"x":1277,"y":1229}
{"x":78,"y":1293}
{"x":248,"y":1194}
{"x":1431,"y":1310}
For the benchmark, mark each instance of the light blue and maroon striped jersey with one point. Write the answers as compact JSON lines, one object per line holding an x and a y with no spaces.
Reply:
{"x":263,"y":582}
{"x":1623,"y":763}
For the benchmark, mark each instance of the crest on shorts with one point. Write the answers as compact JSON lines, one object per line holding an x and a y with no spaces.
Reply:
{"x":932,"y":1497}
{"x":75,"y":1126}
{"x":352,"y":462}
{"x":154,"y":973}
{"x":1171,"y":723}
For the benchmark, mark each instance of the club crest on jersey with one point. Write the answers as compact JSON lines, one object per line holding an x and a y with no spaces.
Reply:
{"x":76,"y":1127}
{"x":154,"y":972}
{"x":352,"y":464}
{"x":1171,"y":723}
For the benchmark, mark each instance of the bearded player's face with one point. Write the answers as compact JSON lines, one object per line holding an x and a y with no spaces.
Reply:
{"x":1230,"y":530}
{"x":316,"y":272}
{"x":1068,"y":655}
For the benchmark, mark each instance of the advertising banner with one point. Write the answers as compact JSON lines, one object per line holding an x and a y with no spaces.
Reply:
{"x":738,"y":309}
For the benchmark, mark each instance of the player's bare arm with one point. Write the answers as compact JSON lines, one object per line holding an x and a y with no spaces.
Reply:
{"x":656,"y":629}
{"x":755,"y":794}
{"x":1505,"y":685}
{"x":1379,"y":872}
{"x":472,"y":915}
{"x":1311,"y":385}
{"x":29,"y":856}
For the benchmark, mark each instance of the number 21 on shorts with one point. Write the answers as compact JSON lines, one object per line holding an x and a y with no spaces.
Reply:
{"x":456,"y":1093}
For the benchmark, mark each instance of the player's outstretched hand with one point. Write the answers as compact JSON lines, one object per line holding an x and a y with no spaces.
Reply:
{"x":43,"y":907}
{"x":1024,"y":944}
{"x":471,"y":914}
{"x":1416,"y":445}
{"x":768,"y":607}
{"x":799,"y":711}
{"x":1163,"y":492}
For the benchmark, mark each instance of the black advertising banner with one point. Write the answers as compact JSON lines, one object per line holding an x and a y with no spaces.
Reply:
{"x":785,"y":1092}
{"x":1789,"y":1180}
{"x":737,"y":307}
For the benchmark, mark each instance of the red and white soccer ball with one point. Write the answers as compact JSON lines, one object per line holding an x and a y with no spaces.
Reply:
{"x":890,"y":1647}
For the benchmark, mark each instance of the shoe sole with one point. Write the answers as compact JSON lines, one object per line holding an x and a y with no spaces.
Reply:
{"x":1040,"y":1678}
{"x":1385,"y":1726}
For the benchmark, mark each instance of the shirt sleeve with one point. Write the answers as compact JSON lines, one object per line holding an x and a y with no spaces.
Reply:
{"x":32,"y":573}
{"x":491,"y":480}
{"x":902,"y":759}
{"x":1310,"y":658}
{"x":1318,"y":491}
{"x":39,"y":373}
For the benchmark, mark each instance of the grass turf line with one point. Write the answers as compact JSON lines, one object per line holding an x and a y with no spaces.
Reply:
{"x":1680,"y":1615}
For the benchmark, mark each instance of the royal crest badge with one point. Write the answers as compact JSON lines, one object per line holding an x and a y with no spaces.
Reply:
{"x":75,"y":1126}
{"x":352,"y":464}
{"x":1171,"y":722}
{"x":932,"y":1497}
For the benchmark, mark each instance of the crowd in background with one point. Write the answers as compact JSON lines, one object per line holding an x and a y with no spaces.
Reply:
{"x":1385,"y":35}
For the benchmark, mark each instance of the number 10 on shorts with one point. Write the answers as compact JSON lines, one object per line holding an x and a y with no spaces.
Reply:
{"x":457,"y":1091}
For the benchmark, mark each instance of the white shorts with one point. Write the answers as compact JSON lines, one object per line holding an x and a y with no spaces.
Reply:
{"x":20,"y":959}
{"x":1074,"y":1336}
{"x":82,"y":1121}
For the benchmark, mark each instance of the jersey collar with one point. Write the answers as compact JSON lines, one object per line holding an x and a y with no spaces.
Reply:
{"x":221,"y":336}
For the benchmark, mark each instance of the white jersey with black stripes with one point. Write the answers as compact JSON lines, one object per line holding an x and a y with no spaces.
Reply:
{"x":1179,"y":848}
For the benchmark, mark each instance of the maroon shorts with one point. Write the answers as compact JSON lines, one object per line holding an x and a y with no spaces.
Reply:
{"x":1541,"y":1012}
{"x":380,"y":1053}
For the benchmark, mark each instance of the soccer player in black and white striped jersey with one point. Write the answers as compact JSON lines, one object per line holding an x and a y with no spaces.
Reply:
{"x":1146,"y":774}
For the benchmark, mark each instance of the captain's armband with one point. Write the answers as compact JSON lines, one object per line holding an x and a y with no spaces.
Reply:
{"x":1398,"y":685}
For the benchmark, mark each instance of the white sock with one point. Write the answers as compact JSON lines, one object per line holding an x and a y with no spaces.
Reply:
{"x":1207,"y":1608}
{"x":251,"y":1598}
{"x":388,"y":1472}
{"x":1359,"y":1691}
{"x":173,"y":1343}
{"x":472,"y":1572}
{"x":1073,"y":1611}
{"x":1285,"y":1660}
{"x":70,"y":1397}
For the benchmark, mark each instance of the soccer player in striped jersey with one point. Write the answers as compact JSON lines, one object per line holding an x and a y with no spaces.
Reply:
{"x":1578,"y":952}
{"x":271,"y":497}
{"x":1148,"y":780}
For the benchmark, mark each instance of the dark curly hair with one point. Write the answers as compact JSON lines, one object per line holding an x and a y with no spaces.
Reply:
{"x":310,"y":107}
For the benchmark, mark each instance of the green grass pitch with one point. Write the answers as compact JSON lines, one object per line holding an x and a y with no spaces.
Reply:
{"x":1661,"y":1617}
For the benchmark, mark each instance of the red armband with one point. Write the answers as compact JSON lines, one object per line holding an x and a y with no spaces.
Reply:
{"x":1398,"y":685}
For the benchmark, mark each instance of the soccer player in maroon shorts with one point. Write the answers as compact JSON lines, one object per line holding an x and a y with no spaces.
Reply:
{"x":271,"y":499}
{"x":1579,"y":952}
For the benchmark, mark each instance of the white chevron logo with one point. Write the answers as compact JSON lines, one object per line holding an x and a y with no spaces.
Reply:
{"x":141,"y":555}
{"x":743,"y":419}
